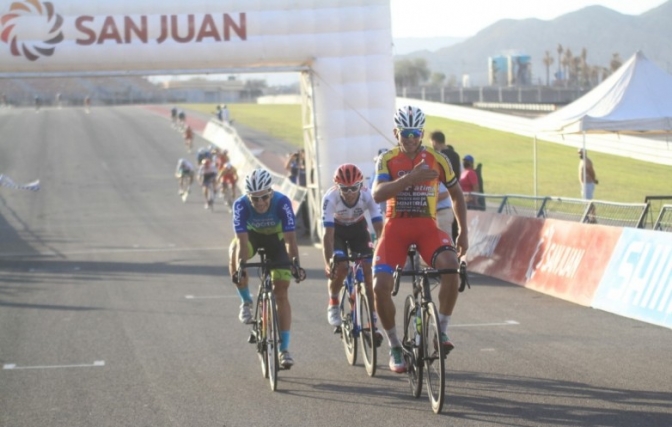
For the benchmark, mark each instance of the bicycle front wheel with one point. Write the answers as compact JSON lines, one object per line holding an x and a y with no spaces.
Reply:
{"x":272,"y":333}
{"x":412,"y":348}
{"x":434,"y":357}
{"x":347,"y":327}
{"x":259,"y":330}
{"x":367,"y":333}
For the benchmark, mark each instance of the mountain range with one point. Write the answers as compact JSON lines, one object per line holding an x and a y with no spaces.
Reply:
{"x":600,"y":30}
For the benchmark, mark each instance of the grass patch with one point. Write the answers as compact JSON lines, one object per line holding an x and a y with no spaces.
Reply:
{"x":508,"y":162}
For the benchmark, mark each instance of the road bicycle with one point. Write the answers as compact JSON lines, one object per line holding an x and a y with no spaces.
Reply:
{"x":265,"y":330}
{"x":357,"y":323}
{"x":421,"y":343}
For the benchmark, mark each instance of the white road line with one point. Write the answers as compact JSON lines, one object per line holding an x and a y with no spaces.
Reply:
{"x":12,"y":366}
{"x":210,"y":296}
{"x":470,"y":325}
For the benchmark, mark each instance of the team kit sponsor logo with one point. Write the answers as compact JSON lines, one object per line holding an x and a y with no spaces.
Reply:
{"x":33,"y":29}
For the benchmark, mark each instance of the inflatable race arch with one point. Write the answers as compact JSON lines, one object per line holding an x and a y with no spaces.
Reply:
{"x":343,"y":48}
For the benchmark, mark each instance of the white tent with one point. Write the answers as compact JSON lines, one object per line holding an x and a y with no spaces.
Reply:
{"x":636,"y":98}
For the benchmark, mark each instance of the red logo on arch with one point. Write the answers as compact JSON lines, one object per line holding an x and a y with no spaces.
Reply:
{"x":22,"y":39}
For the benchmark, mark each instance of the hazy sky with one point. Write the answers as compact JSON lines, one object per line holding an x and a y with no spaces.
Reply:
{"x":464,"y":18}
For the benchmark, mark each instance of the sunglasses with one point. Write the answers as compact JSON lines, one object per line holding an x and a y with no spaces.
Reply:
{"x":410,"y":133}
{"x":255,"y":199}
{"x":352,"y":189}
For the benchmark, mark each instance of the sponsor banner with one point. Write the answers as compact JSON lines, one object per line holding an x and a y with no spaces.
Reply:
{"x":501,"y":245}
{"x":562,"y":259}
{"x":638,"y":280}
{"x":570,"y":259}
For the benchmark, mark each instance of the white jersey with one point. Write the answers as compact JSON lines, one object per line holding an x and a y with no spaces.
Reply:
{"x":205,"y":170}
{"x":184,"y":165}
{"x":335,"y":211}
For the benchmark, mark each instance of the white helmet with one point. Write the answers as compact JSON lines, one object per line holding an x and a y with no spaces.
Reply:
{"x":409,"y":117}
{"x":258,"y":180}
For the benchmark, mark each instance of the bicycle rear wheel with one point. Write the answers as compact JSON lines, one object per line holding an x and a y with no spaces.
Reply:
{"x":272,"y":333}
{"x":434,"y":357}
{"x":347,"y":331}
{"x":413,"y":351}
{"x":366,"y":334}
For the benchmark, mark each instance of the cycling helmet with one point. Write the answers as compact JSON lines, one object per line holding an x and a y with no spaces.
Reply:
{"x":258,"y":180}
{"x":348,"y":175}
{"x":409,"y":117}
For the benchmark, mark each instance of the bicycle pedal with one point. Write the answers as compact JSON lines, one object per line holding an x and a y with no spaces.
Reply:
{"x":338,"y":330}
{"x":252,"y":339}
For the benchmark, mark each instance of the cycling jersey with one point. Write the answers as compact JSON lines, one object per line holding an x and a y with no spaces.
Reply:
{"x":336,"y":211}
{"x":183,"y":166}
{"x":277,"y":219}
{"x":418,"y":200}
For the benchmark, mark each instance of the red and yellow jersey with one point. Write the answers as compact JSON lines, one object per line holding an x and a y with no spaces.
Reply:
{"x":417,"y":200}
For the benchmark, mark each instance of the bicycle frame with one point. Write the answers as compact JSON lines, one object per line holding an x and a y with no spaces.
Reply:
{"x":355,"y":308}
{"x":425,"y":318}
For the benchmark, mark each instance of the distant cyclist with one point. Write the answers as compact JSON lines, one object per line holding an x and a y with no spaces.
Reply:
{"x":182,"y":120}
{"x":188,"y":138}
{"x":87,"y":104}
{"x":265,"y":218}
{"x":228,"y":178}
{"x":207,"y":174}
{"x":345,"y":232}
{"x":173,"y":116}
{"x":185,"y":176}
{"x":202,"y":154}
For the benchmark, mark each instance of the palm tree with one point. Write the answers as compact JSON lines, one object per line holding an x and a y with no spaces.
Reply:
{"x":560,"y":50}
{"x":548,"y":61}
{"x":566,"y":63}
{"x":616,"y":62}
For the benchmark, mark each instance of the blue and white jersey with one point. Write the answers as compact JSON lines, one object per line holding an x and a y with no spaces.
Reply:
{"x":277,"y":219}
{"x":336,"y":211}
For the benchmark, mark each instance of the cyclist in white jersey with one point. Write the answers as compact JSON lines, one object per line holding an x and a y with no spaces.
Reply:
{"x":345,"y":228}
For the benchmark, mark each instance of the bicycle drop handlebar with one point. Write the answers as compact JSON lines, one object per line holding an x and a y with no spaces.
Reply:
{"x":340,"y":258}
{"x":432,"y":272}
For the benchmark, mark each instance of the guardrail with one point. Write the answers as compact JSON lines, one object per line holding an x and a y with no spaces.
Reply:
{"x":567,"y":209}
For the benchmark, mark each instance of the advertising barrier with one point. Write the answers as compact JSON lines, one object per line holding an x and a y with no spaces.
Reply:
{"x":638,"y":279}
{"x":625,"y":271}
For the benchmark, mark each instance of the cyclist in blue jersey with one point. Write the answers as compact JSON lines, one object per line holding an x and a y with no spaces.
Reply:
{"x":265,"y":218}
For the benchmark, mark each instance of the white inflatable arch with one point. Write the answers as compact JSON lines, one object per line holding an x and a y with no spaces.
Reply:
{"x":343,"y":48}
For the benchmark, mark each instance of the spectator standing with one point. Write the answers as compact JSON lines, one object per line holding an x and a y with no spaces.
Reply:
{"x":588,"y":184}
{"x":439,"y":143}
{"x":296,"y":166}
{"x":469,"y":182}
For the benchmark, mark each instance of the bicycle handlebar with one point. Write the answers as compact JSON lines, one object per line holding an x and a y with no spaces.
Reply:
{"x":340,"y":258}
{"x":432,"y":272}
{"x":293,"y":265}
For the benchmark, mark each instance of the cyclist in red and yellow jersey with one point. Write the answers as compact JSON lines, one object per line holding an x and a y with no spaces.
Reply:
{"x":407,"y":177}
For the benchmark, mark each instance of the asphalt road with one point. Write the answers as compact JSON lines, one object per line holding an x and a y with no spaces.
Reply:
{"x":116,"y":310}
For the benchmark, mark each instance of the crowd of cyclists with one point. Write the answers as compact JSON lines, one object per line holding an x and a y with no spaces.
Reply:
{"x":215,"y":174}
{"x":407,"y":178}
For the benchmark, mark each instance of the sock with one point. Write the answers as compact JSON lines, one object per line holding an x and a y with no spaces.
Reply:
{"x":244,"y":294}
{"x":284,"y":340}
{"x":443,"y":323}
{"x":333,"y":299}
{"x":392,"y":338}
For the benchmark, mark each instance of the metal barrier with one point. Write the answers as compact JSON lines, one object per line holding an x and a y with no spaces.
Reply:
{"x":567,"y":209}
{"x":664,"y":220}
